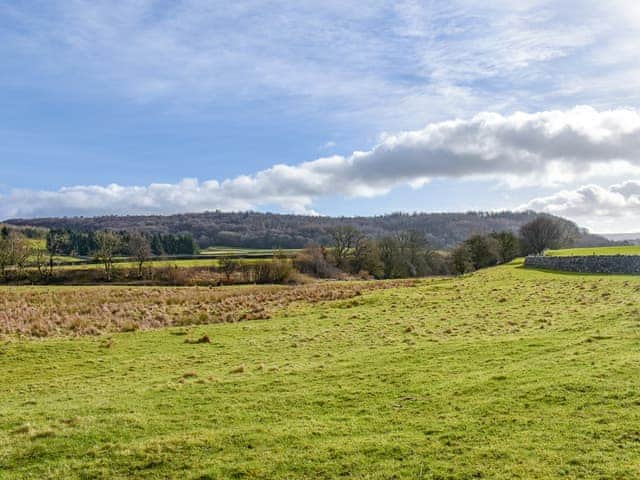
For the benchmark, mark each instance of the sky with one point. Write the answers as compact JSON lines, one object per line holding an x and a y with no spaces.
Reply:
{"x":321,"y":107}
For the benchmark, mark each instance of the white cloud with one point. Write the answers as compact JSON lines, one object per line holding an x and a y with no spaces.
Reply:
{"x":613,"y":209}
{"x":329,"y":145}
{"x":544,"y":148}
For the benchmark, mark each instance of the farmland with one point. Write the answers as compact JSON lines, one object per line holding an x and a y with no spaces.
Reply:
{"x":615,"y":250}
{"x":206,"y":258}
{"x":504,"y":373}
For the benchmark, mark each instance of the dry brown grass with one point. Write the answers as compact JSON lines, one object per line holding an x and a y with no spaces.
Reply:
{"x":75,"y":311}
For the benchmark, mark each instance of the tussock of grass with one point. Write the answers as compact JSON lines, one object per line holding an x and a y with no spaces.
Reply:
{"x":203,"y":339}
{"x":238,"y":369}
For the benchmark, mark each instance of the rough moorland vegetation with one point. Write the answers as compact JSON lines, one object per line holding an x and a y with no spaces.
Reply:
{"x":73,"y":311}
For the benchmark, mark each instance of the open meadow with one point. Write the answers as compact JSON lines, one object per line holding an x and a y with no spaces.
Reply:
{"x":505,"y":373}
{"x":614,"y":250}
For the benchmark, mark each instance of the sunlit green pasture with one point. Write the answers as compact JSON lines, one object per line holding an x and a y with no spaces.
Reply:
{"x":246,"y":252}
{"x":616,"y":250}
{"x":505,"y":373}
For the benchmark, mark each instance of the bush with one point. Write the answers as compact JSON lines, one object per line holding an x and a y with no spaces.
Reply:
{"x":461,"y":260}
{"x":276,"y":271}
{"x":313,"y":261}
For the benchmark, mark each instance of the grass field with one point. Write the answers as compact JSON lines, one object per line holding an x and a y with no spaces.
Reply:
{"x":208,"y":258}
{"x":246,"y":252}
{"x":618,"y":250}
{"x":191,"y":262}
{"x":506,"y":373}
{"x":183,"y":262}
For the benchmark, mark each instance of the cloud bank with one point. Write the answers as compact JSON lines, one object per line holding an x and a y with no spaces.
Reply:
{"x":539,"y":149}
{"x":603,"y":209}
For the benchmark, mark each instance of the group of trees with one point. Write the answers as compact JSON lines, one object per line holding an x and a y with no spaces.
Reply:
{"x":86,"y":244}
{"x":14,"y":251}
{"x":17,"y":250}
{"x":409,"y":254}
{"x":481,"y":251}
{"x":400,"y":255}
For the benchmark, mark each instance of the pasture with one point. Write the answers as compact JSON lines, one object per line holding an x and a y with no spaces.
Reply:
{"x":209,"y":257}
{"x":236,"y":252}
{"x":505,"y":373}
{"x":615,"y":250}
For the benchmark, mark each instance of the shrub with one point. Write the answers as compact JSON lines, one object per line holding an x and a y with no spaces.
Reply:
{"x":276,"y":271}
{"x":313,"y":261}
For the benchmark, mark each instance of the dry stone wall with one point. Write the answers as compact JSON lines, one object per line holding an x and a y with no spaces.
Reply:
{"x":621,"y":264}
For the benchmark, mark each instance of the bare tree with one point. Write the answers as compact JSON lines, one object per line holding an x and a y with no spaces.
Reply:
{"x":6,"y":255}
{"x":108,"y":243}
{"x":389,"y":256}
{"x":345,"y":238}
{"x":507,"y":245}
{"x":56,"y":241}
{"x":313,"y":260}
{"x":228,"y":266}
{"x":40,"y":259}
{"x":542,"y":233}
{"x":21,"y":251}
{"x":461,"y":260}
{"x":140,"y":250}
{"x":366,"y":257}
{"x":414,"y":251}
{"x":14,"y":252}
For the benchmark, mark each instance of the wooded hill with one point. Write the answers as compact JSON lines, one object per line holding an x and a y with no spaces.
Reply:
{"x":269,"y":230}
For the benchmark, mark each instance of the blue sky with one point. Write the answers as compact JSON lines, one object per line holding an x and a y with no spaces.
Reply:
{"x":147,"y":106}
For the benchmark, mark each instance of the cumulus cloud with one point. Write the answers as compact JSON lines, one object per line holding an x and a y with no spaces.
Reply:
{"x":612,"y":209}
{"x":544,"y":148}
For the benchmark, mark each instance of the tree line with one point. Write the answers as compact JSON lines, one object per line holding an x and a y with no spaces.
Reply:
{"x":349,"y":251}
{"x":272,"y":231}
{"x":533,"y":238}
{"x":408,"y":253}
{"x":18,"y":249}
{"x":86,"y":244}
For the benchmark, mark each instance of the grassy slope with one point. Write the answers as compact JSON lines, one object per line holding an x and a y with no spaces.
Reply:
{"x":621,"y":250}
{"x":507,"y":373}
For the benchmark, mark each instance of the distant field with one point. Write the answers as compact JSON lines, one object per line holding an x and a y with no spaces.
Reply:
{"x":623,"y":250}
{"x":207,"y":258}
{"x":246,"y":252}
{"x":505,"y":373}
{"x":191,"y":262}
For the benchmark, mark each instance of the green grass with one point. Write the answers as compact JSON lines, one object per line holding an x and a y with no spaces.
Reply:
{"x":190,"y":262}
{"x":209,"y":258}
{"x":617,"y":250}
{"x":246,"y":252}
{"x":506,"y":373}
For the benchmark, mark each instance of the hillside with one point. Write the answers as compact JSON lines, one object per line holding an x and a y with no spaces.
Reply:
{"x":506,"y":373}
{"x":631,"y":238}
{"x":268,"y":230}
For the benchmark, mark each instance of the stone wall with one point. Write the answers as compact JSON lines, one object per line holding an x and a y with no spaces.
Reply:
{"x":626,"y":264}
